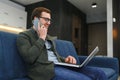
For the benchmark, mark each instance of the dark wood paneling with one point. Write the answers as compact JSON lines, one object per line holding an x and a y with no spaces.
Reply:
{"x":116,"y":29}
{"x":97,"y":33}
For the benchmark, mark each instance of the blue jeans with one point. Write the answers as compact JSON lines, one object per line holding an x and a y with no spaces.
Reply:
{"x":85,"y":73}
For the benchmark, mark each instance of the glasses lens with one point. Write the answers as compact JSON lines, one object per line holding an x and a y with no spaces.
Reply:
{"x":46,"y":19}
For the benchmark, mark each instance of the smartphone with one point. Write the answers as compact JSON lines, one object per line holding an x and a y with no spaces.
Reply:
{"x":35,"y":23}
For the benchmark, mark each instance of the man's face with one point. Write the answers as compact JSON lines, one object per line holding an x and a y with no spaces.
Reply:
{"x":45,"y":19}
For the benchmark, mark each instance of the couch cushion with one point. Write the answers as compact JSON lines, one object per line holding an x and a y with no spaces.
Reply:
{"x":65,"y":48}
{"x":25,"y":78}
{"x":1,"y":58}
{"x":11,"y":65}
{"x":108,"y":71}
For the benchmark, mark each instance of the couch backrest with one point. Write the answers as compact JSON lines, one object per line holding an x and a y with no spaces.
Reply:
{"x":65,"y":48}
{"x":11,"y":64}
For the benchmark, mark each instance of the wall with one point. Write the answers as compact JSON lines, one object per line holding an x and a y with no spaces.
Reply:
{"x":97,"y":33}
{"x":109,"y":28}
{"x":12,"y":15}
{"x":10,"y":3}
{"x":116,"y":29}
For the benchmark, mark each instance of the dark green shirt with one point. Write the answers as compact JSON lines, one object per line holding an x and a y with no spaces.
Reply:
{"x":33,"y":50}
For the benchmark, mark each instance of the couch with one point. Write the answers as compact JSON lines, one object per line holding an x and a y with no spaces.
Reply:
{"x":12,"y":66}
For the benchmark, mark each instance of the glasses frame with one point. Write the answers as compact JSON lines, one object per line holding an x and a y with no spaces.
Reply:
{"x":46,"y":19}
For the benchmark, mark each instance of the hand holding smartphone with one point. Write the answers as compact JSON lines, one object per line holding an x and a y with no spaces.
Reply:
{"x":36,"y":22}
{"x":42,"y":31}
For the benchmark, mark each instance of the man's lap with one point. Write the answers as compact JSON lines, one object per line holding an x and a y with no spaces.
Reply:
{"x":86,"y":73}
{"x":62,"y":73}
{"x":93,"y":72}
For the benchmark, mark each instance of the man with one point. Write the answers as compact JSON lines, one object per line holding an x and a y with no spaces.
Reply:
{"x":38,"y":51}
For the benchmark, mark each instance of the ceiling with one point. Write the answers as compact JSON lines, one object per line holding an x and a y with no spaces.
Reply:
{"x":93,"y":14}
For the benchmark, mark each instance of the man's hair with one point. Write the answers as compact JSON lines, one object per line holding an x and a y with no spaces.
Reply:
{"x":37,"y":12}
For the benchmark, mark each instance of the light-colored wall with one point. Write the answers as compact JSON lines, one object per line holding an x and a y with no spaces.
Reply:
{"x":109,"y":28}
{"x":10,"y":3}
{"x":12,"y":14}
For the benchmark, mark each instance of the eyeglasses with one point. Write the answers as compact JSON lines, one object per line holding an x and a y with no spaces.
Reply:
{"x":46,"y":19}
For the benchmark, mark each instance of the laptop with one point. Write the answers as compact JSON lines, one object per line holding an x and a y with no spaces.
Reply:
{"x":84,"y":63}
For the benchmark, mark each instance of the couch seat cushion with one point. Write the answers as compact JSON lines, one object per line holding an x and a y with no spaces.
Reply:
{"x":108,"y":71}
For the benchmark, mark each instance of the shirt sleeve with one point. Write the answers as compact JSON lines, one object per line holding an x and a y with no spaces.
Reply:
{"x":29,"y":51}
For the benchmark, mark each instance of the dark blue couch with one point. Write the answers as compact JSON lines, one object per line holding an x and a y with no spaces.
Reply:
{"x":13,"y":68}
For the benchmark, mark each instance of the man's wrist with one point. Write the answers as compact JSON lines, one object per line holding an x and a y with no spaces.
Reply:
{"x":42,"y":38}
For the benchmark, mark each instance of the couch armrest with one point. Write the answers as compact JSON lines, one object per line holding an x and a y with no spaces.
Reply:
{"x":105,"y":62}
